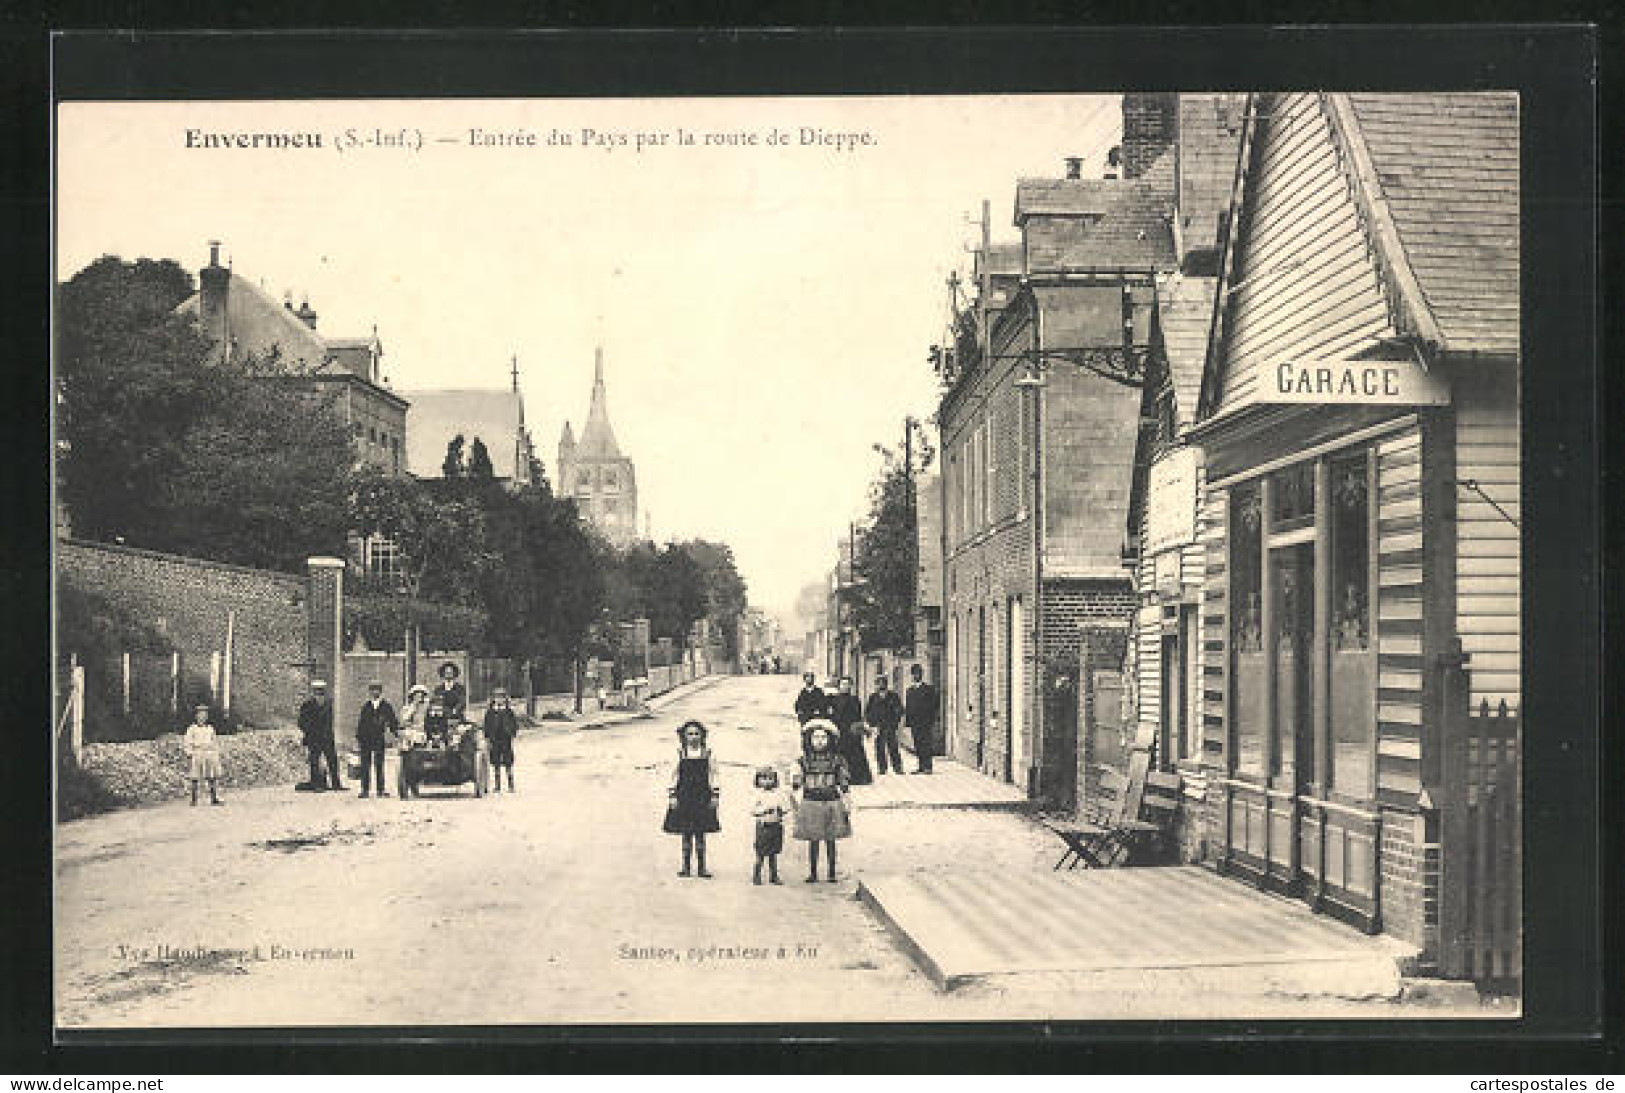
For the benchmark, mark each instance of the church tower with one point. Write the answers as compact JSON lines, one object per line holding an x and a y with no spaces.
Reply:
{"x":593,"y":471}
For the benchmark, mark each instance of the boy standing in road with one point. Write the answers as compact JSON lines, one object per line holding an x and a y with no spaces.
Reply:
{"x":501,"y":726}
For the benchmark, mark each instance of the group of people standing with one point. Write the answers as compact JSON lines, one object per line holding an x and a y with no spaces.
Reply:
{"x":881,"y":715}
{"x":378,"y":725}
{"x":832,"y":761}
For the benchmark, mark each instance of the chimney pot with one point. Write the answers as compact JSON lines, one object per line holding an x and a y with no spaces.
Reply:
{"x":1074,"y":167}
{"x":214,"y":252}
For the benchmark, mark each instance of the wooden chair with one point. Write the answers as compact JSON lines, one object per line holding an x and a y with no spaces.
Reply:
{"x":1129,"y":822}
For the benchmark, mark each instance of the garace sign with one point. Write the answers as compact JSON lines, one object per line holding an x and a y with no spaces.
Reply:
{"x":1353,"y":383}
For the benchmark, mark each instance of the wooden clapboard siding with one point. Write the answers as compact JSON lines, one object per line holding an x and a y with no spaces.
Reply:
{"x":1304,"y":281}
{"x":1214,"y":620}
{"x":1147,"y":635}
{"x":1488,"y":562}
{"x":1400,"y":583}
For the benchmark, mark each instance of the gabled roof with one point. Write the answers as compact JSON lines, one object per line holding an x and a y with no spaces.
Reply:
{"x":435,"y":417}
{"x":1446,"y":167}
{"x":1185,"y":316}
{"x":1122,"y":223}
{"x":259,"y":322}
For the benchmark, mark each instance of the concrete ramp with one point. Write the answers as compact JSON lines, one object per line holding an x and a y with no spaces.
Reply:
{"x":1178,"y":929}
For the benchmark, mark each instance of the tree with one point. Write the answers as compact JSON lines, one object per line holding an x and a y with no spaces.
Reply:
{"x":887,"y":563}
{"x":440,"y":531}
{"x":725,"y":592}
{"x":168,"y":448}
{"x":479,"y":463}
{"x":453,"y":466}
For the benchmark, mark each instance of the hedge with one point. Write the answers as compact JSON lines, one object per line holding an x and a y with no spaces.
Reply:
{"x":383,"y":621}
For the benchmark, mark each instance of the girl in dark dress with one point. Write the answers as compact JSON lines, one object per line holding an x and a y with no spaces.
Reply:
{"x":847,"y":713}
{"x":691,"y":809}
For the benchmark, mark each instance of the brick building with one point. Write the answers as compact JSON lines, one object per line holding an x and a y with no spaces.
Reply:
{"x":1039,"y":425}
{"x":241,"y":318}
{"x":593,"y":470}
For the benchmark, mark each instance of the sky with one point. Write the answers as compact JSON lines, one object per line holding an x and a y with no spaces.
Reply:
{"x":765,"y":309}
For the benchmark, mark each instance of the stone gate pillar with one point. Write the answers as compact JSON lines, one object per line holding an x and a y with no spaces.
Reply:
{"x":324,"y":625}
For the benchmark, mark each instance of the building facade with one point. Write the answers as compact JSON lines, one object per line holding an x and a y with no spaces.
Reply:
{"x":1038,"y":433}
{"x":593,"y":470}
{"x":1353,"y":454}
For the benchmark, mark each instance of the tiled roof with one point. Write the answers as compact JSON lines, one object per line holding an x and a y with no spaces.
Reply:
{"x":1073,"y":224}
{"x":1209,"y":141}
{"x":1185,"y":315}
{"x":495,"y":415}
{"x":1447,"y":164}
{"x":258,"y":322}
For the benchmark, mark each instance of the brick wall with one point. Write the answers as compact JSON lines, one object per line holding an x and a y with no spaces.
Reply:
{"x":187,"y":600}
{"x":1070,"y":605}
{"x":1148,"y":129}
{"x":1409,"y":900}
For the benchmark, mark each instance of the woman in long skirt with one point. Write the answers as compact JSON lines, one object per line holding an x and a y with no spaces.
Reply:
{"x":691,"y":808}
{"x":824,"y":814}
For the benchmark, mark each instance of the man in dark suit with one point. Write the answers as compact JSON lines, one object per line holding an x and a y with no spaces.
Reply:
{"x":920,"y":715}
{"x":811,"y":702}
{"x":316,"y":723}
{"x":883,"y":712}
{"x":377,"y":718}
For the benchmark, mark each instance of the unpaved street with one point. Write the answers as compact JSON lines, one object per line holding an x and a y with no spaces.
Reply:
{"x":559,"y":904}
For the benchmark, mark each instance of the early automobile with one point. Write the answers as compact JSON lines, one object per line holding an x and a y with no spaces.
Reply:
{"x":443,"y":753}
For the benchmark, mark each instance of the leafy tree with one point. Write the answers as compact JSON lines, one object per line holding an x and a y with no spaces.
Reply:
{"x":479,"y":463}
{"x":439,"y":529}
{"x":453,"y":466}
{"x":168,"y":448}
{"x":887,"y":561}
{"x":725,"y":592}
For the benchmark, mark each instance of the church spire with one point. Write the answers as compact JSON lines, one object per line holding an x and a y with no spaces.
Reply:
{"x":597,"y":438}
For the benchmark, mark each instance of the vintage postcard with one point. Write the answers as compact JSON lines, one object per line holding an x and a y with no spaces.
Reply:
{"x":906,"y":558}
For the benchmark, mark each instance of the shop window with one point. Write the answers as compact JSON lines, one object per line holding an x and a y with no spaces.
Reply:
{"x":1246,"y":627}
{"x":1352,"y":667}
{"x":1294,"y":497}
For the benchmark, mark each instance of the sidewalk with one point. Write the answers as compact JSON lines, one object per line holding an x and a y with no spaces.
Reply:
{"x":950,"y":785}
{"x":603,"y":719}
{"x":1177,"y":930}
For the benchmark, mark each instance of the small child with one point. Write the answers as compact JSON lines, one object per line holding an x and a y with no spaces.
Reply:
{"x":771,"y":807}
{"x":501,"y":726}
{"x":204,"y":751}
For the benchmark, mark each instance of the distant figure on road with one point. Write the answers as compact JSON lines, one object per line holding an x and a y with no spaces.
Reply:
{"x":811,"y":702}
{"x":204,"y":751}
{"x":501,"y":726}
{"x":847,"y":713}
{"x":884,"y":712}
{"x":375,"y":723}
{"x":920,"y":715}
{"x":770,"y":808}
{"x":824,"y":814}
{"x":449,"y":694}
{"x":691,"y":807}
{"x":316,"y":723}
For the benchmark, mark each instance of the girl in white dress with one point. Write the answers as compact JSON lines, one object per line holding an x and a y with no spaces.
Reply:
{"x":203,"y":749}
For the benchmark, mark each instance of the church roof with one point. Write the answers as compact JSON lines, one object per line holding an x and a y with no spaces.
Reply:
{"x":597,"y":438}
{"x":435,"y":417}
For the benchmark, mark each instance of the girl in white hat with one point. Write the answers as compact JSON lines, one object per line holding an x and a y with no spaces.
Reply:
{"x":823,"y":814}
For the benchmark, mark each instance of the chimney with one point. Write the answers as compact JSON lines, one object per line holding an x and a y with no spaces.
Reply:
{"x":214,"y":292}
{"x":1148,"y":129}
{"x":306,"y":315}
{"x":1074,"y":167}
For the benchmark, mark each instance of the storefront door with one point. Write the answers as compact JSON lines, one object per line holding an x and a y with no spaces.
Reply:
{"x":1300,"y":818}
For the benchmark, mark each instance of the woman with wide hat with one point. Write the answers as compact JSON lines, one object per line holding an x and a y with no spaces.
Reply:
{"x":823,"y":814}
{"x":449,"y":694}
{"x":691,"y":799}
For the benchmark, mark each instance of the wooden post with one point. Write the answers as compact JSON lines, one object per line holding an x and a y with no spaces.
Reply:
{"x":124,"y":672}
{"x":175,"y":683}
{"x":225,"y":669}
{"x":214,"y":675}
{"x":76,"y":724}
{"x":1321,"y":666}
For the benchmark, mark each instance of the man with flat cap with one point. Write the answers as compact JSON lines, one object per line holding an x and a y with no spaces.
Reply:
{"x":316,"y":723}
{"x":376,"y":720}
